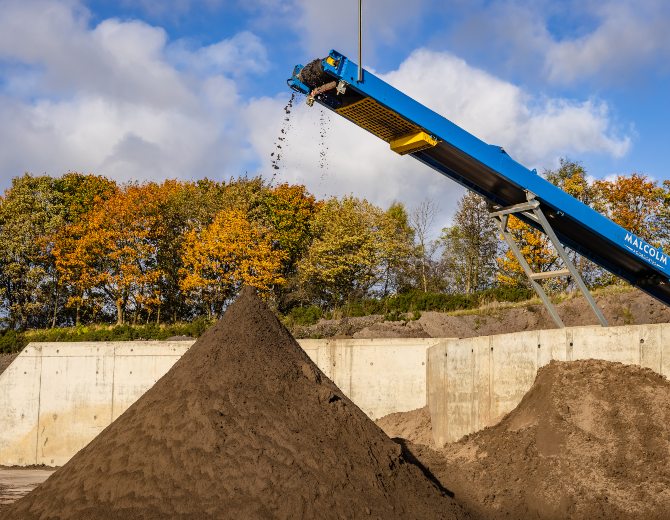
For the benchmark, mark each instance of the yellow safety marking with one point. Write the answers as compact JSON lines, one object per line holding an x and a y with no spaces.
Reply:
{"x":413,"y":143}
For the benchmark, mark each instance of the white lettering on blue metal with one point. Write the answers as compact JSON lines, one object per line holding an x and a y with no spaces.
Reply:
{"x":644,"y":250}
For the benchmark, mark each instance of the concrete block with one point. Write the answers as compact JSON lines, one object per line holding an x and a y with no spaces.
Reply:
{"x":481,"y":382}
{"x":460,"y":393}
{"x":665,"y":351}
{"x":620,"y":344}
{"x":436,"y":391}
{"x":387,"y":378}
{"x":150,"y":348}
{"x":134,"y":375}
{"x":514,"y":361}
{"x":19,"y":408}
{"x":651,"y":345}
{"x":75,"y":400}
{"x":319,"y":351}
{"x":552,"y":344}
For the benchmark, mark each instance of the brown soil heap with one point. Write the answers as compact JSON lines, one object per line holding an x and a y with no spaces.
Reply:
{"x":415,"y":426}
{"x":243,"y":426}
{"x":590,"y":440}
{"x":6,"y":360}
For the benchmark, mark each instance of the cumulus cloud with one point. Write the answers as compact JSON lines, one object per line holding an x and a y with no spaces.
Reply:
{"x":627,"y":37}
{"x":121,"y":99}
{"x":116,"y":98}
{"x":563,"y":43}
{"x":534,"y":131}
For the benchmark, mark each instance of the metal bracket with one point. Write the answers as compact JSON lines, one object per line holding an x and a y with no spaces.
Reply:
{"x":320,"y":90}
{"x":341,"y":87}
{"x":532,"y":210}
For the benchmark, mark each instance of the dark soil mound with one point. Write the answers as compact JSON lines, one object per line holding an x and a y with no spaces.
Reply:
{"x":243,"y":426}
{"x":6,"y":360}
{"x":313,"y":74}
{"x":415,"y":426}
{"x":590,"y":440}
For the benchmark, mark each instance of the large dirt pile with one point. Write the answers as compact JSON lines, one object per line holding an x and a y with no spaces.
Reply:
{"x":590,"y":440}
{"x":414,"y":426}
{"x":243,"y":426}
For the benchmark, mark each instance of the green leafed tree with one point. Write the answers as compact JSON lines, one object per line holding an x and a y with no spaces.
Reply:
{"x":343,"y":260}
{"x":30,"y":210}
{"x":470,"y":246}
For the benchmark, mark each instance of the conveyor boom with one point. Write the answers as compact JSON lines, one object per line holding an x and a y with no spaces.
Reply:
{"x":411,"y":128}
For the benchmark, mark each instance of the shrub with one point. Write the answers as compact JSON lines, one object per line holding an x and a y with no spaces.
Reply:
{"x":304,"y":315}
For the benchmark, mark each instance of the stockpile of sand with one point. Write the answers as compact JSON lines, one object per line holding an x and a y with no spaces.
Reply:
{"x":590,"y":440}
{"x":414,"y":426}
{"x":243,"y":426}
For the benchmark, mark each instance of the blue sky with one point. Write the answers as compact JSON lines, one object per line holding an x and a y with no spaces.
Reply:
{"x":148,"y":89}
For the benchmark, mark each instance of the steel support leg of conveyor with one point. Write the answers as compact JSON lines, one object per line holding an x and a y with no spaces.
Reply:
{"x":532,"y":210}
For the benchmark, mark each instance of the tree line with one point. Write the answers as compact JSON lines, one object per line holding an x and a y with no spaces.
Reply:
{"x":82,"y":248}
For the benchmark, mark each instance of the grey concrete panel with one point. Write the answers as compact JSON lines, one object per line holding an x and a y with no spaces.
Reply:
{"x":620,"y":344}
{"x":19,"y":408}
{"x":514,"y":364}
{"x":75,"y":401}
{"x":436,"y":393}
{"x":481,"y":382}
{"x":460,"y":393}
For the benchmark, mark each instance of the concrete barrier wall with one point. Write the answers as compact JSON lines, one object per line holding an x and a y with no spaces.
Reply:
{"x":474,"y":382}
{"x":56,"y":397}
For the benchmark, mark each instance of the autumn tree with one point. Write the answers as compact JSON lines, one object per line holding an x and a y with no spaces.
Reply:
{"x":342,"y":262}
{"x":571,"y":177}
{"x":535,"y":247}
{"x":470,"y":246}
{"x":288,"y":210}
{"x":119,"y":236}
{"x":634,"y":202}
{"x":396,"y":249}
{"x":230,"y":252}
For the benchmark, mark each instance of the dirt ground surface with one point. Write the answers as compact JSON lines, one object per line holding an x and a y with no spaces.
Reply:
{"x":243,"y":426}
{"x":6,"y":360}
{"x":590,"y":440}
{"x":621,"y":307}
{"x":18,"y":482}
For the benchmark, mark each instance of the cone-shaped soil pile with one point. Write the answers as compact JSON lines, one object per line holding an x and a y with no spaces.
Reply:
{"x":244,"y":426}
{"x":590,"y":440}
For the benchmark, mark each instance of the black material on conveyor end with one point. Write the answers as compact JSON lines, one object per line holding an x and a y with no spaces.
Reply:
{"x":313,"y":74}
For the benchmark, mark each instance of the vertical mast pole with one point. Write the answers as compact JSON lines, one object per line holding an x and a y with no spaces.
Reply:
{"x":360,"y":41}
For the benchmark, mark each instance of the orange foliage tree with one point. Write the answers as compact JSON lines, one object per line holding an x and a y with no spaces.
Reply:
{"x":634,"y":202}
{"x":113,"y":250}
{"x":536,"y":249}
{"x":232,"y":251}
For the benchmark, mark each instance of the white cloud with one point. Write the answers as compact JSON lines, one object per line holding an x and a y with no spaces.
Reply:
{"x":569,"y":42}
{"x":628,"y":37}
{"x":534,"y":131}
{"x":112,"y":98}
{"x":244,"y":53}
{"x":120,"y":100}
{"x":321,"y":25}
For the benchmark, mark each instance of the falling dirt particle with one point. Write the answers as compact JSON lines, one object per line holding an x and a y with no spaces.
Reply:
{"x":283,"y":132}
{"x":324,"y":129}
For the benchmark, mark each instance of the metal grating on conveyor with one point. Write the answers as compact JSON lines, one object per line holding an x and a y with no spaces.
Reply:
{"x":378,"y":120}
